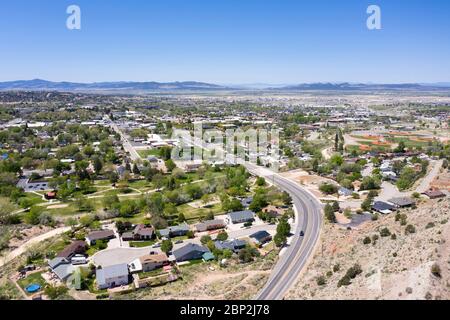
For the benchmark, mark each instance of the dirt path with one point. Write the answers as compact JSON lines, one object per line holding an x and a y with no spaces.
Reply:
{"x":24,"y":247}
{"x":432,"y":174}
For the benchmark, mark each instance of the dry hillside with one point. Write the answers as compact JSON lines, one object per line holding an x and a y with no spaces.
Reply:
{"x":404,"y":266}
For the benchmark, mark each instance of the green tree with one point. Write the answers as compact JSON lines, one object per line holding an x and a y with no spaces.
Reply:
{"x":166,"y":246}
{"x":170,"y":165}
{"x":205,"y":239}
{"x":222,"y":236}
{"x":329,"y":213}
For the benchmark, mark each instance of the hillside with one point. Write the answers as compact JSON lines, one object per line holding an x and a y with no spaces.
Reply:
{"x":397,"y":267}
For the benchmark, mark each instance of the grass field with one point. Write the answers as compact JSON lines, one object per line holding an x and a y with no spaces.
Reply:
{"x":34,"y":278}
{"x":142,"y":244}
{"x":146,"y":153}
{"x":191,"y":213}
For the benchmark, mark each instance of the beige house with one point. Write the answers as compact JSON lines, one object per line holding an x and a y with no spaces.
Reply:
{"x":152,"y":262}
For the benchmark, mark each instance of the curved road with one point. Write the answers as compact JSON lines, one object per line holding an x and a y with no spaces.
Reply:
{"x":309,"y":220}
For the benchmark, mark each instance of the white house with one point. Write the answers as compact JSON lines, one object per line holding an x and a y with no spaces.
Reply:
{"x":112,"y":276}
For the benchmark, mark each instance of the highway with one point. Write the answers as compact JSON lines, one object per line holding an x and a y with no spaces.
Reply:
{"x":309,"y":220}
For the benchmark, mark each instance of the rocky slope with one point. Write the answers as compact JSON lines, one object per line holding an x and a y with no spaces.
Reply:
{"x":405,"y":266}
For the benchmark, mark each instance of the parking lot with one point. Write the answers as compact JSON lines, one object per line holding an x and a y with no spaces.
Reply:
{"x":32,"y":186}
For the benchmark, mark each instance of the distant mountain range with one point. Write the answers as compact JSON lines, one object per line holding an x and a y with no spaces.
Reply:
{"x":345,"y":86}
{"x":43,"y":85}
{"x":39,"y":84}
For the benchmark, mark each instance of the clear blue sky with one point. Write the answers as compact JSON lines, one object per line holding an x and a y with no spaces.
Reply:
{"x":226,"y":41}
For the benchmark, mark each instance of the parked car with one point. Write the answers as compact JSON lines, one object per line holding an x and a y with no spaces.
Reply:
{"x":179,"y":242}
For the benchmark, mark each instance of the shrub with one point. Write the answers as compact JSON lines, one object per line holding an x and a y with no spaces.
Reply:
{"x":385,"y":232}
{"x":410,"y":229}
{"x":205,"y":239}
{"x":344,"y":281}
{"x":336,"y":267}
{"x":328,"y":188}
{"x":430,"y":225}
{"x":329,"y":214}
{"x":222,"y":236}
{"x":367,"y":240}
{"x":354,"y":271}
{"x":321,"y":281}
{"x":436,"y":270}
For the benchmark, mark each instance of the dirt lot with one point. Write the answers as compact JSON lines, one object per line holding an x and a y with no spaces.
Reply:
{"x":22,"y":236}
{"x":310,"y":182}
{"x":391,"y":268}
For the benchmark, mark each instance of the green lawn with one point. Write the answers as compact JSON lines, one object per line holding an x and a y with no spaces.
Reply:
{"x":153,"y":273}
{"x":191,"y":263}
{"x":146,"y":153}
{"x":32,"y":199}
{"x":410,"y":143}
{"x":196,"y":213}
{"x":99,"y":245}
{"x":34,"y":278}
{"x":141,"y":244}
{"x":140,"y":184}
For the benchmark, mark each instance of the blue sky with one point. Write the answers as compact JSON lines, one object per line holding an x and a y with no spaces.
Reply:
{"x":226,"y":41}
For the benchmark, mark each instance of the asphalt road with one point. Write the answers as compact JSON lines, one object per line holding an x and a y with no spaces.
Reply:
{"x":300,"y":249}
{"x":134,"y":155}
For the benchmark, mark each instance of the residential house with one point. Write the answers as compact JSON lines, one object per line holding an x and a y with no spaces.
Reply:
{"x":234,"y":245}
{"x":94,"y":236}
{"x":61,"y":267}
{"x":210,"y":225}
{"x":76,"y":247}
{"x":188,"y":252}
{"x":140,"y":233}
{"x":344,"y":192}
{"x":403,"y":202}
{"x":241,"y":217}
{"x":176,"y":231}
{"x":50,"y":195}
{"x":112,"y":276}
{"x":153,"y":261}
{"x":434,"y":194}
{"x":261,"y":237}
{"x":383,"y":207}
{"x":192,"y":167}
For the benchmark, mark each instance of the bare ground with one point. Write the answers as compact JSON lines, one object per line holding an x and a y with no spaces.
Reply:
{"x":391,"y":269}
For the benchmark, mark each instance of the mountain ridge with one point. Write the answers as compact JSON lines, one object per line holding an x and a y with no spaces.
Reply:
{"x":42,"y":85}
